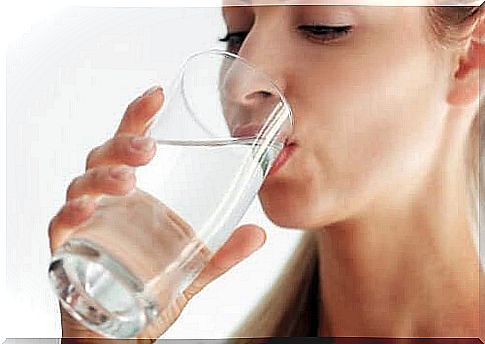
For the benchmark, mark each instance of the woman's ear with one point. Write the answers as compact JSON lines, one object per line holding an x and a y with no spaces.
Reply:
{"x":465,"y":87}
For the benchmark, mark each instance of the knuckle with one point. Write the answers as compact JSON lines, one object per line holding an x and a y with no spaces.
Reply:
{"x":131,"y":154}
{"x":107,"y":179}
{"x":91,"y":158}
{"x":121,"y":150}
{"x":52,"y":227}
{"x":96,"y":175}
{"x":197,"y":286}
{"x":190,"y":292}
{"x":71,"y":189}
{"x":123,"y":184}
{"x":98,"y":178}
{"x":54,"y":223}
{"x":121,"y":145}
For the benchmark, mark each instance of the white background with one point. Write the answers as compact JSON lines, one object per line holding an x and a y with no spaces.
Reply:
{"x":70,"y":74}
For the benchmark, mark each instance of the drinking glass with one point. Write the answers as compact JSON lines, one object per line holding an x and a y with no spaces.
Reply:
{"x":222,"y":125}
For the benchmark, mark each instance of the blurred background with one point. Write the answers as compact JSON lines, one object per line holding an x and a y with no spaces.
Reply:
{"x":70,"y":74}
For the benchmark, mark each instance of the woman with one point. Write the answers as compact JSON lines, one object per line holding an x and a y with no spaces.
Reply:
{"x":383,"y":172}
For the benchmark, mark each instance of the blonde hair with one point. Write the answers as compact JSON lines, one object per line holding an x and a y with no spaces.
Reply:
{"x":290,"y":307}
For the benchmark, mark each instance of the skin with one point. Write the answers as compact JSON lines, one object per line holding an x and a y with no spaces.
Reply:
{"x":378,"y":168}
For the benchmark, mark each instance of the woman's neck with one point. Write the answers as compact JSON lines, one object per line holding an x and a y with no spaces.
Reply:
{"x":408,"y":266}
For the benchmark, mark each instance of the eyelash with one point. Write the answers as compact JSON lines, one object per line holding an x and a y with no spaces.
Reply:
{"x":322,"y":33}
{"x":325,"y":33}
{"x":230,"y":36}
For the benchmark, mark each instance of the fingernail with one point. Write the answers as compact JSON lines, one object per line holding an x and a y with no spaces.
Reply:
{"x":142,"y":143}
{"x":151,"y":91}
{"x":80,"y":203}
{"x":121,"y":172}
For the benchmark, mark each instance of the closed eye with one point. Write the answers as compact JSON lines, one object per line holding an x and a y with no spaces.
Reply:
{"x":325,"y":33}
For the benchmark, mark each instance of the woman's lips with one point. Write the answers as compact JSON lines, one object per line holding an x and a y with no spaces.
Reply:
{"x":251,"y":130}
{"x":282,"y":158}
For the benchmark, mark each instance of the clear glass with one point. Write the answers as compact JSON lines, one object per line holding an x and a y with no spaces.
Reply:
{"x":221,"y":127}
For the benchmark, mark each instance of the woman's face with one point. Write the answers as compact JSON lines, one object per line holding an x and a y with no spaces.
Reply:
{"x":368,"y":90}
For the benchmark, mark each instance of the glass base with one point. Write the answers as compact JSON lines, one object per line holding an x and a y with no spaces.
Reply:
{"x":98,"y":291}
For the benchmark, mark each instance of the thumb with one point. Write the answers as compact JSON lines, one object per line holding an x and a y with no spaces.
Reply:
{"x":242,"y":243}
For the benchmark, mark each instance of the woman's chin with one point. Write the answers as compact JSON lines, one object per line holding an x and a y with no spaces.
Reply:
{"x":283,"y":208}
{"x":296,"y":207}
{"x":283,"y":220}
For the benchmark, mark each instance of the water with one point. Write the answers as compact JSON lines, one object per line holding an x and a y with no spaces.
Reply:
{"x":137,"y":253}
{"x":211,"y":183}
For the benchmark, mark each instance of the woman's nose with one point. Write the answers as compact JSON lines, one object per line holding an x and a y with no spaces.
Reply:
{"x":248,"y":86}
{"x":250,"y":95}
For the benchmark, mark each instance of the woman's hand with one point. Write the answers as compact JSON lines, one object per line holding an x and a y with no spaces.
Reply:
{"x":109,"y":171}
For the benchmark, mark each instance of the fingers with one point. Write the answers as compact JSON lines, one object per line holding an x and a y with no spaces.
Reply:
{"x":243,"y":242}
{"x":139,"y":113}
{"x":127,"y":150}
{"x":101,"y":177}
{"x":129,"y":146}
{"x":72,"y":214}
{"x":71,"y":328}
{"x":111,"y":180}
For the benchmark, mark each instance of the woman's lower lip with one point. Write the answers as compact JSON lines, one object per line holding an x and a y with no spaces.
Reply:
{"x":282,"y":158}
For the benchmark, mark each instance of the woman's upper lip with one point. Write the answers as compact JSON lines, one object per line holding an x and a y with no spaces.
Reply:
{"x":246,"y":130}
{"x":250,"y":130}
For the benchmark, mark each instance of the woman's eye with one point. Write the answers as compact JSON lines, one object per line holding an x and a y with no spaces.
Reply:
{"x":234,"y":40}
{"x":325,"y":33}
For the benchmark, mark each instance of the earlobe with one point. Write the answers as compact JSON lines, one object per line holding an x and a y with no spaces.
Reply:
{"x":465,"y":87}
{"x":474,"y":59}
{"x":464,"y":91}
